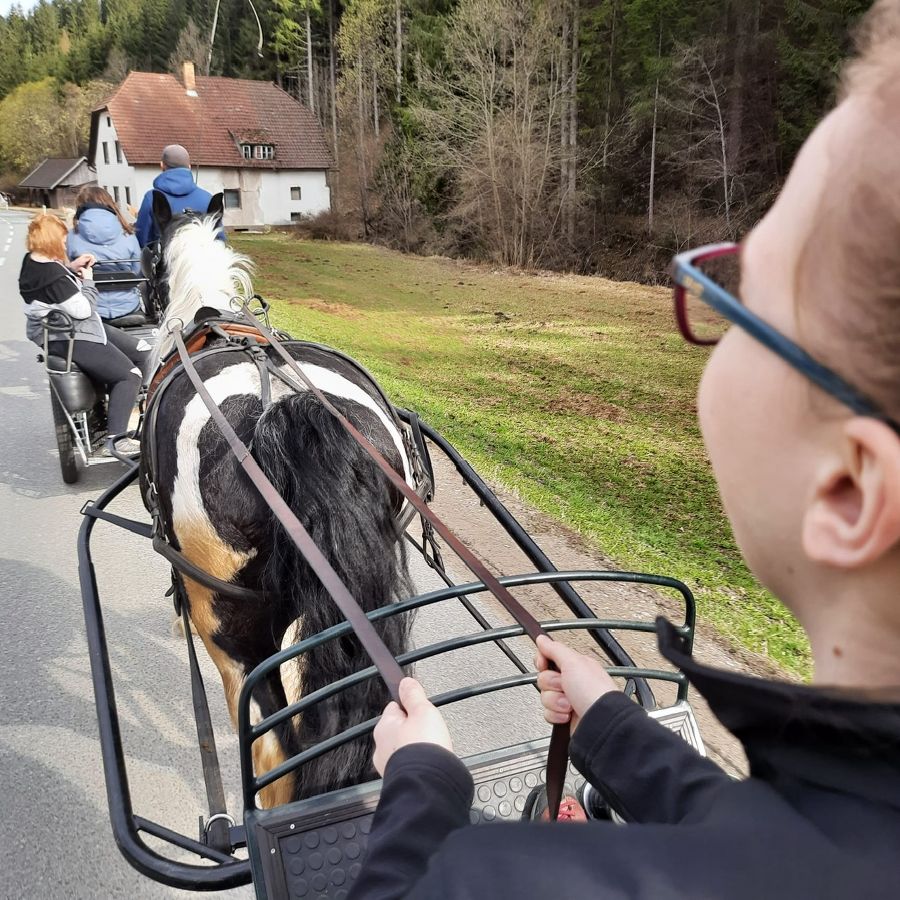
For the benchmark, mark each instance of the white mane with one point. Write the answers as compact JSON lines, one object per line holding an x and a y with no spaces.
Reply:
{"x":202,"y":271}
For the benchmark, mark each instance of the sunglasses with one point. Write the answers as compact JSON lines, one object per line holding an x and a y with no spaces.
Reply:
{"x":706,"y":305}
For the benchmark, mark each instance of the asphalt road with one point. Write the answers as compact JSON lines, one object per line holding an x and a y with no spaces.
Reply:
{"x":54,"y":831}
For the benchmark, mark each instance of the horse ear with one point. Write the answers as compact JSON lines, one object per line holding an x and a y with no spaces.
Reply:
{"x":162,"y":211}
{"x":217,"y":207}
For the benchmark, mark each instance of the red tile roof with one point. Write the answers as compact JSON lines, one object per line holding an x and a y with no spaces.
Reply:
{"x":150,"y":111}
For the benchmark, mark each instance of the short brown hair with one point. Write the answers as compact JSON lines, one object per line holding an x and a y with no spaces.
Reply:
{"x":47,"y":237}
{"x":850,"y":263}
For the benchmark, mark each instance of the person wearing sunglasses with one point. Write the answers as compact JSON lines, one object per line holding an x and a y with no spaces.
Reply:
{"x":798,"y":405}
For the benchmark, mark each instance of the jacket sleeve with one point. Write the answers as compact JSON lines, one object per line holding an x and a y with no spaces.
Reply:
{"x":82,"y":304}
{"x":143,"y":225}
{"x":648,"y":772}
{"x":426,"y":795}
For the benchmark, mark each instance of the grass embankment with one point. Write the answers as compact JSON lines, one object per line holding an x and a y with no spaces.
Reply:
{"x":576,"y":392}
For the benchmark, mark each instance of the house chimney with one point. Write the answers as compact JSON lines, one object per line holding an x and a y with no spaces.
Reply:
{"x":190,"y":83}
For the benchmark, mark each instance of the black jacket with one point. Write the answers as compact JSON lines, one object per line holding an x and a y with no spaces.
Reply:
{"x":818,"y":818}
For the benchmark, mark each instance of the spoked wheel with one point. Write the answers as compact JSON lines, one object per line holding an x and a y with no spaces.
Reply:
{"x":65,"y":441}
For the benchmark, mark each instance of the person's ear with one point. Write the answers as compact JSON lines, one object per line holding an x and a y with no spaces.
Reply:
{"x":853,"y":517}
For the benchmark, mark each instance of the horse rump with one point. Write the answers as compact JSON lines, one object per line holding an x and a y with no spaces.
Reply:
{"x":347,"y":505}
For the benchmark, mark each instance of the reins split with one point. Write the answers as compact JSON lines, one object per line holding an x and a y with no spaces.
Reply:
{"x":386,"y":665}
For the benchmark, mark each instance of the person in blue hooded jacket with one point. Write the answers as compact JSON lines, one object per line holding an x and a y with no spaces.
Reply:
{"x":100,"y":230}
{"x":177,"y":183}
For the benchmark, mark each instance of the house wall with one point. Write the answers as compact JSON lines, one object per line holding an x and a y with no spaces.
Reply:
{"x":115,"y":174}
{"x":265,"y":194}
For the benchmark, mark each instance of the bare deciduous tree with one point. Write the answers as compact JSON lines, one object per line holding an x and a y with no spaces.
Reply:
{"x":698,"y":94}
{"x":365,"y":45}
{"x":496,"y":121}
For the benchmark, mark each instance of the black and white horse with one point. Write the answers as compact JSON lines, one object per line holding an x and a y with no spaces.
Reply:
{"x":214,"y":515}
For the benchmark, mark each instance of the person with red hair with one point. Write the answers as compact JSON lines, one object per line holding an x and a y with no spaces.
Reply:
{"x":49,"y":282}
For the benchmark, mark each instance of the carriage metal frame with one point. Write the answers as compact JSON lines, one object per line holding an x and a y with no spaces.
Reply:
{"x":78,"y":404}
{"x":295,"y":846}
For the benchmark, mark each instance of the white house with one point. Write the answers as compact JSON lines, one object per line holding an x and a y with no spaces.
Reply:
{"x":250,"y":139}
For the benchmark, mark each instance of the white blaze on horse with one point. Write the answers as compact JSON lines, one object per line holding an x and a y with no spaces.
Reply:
{"x":214,"y":515}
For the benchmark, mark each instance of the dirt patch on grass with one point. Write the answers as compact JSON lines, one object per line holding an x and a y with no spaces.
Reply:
{"x":332,"y":308}
{"x":584,"y":405}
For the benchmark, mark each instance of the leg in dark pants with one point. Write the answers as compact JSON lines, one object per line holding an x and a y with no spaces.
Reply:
{"x":107,"y":364}
{"x":128,"y":344}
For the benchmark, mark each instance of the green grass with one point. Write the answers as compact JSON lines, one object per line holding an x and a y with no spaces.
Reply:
{"x":577,"y":393}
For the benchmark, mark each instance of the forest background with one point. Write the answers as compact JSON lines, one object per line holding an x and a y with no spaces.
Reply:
{"x":598,"y":136}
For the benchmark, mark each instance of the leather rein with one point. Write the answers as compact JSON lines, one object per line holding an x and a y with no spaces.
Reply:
{"x":386,"y":665}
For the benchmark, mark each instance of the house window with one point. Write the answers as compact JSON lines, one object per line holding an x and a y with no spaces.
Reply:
{"x":297,"y":216}
{"x":108,"y":122}
{"x":232,"y":199}
{"x":128,"y":195}
{"x":295,"y":193}
{"x":116,"y":193}
{"x":106,"y":153}
{"x":258,"y":151}
{"x":118,"y":152}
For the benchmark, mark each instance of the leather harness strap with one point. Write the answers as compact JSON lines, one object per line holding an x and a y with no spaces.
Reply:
{"x":557,"y":759}
{"x":387,"y":666}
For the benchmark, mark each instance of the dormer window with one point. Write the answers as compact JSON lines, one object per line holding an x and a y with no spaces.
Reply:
{"x":258,"y":151}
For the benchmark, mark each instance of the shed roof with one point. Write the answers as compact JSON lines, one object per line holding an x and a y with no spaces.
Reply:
{"x":52,"y":172}
{"x":150,"y":111}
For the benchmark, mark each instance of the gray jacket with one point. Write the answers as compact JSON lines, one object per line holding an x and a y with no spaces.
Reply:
{"x":49,"y":286}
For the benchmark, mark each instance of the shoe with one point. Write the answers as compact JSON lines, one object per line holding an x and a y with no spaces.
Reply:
{"x":597,"y":807}
{"x":124,"y":447}
{"x":537,"y":808}
{"x":128,"y":447}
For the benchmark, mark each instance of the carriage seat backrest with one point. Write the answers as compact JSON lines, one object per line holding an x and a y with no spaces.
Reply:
{"x":121,"y":280}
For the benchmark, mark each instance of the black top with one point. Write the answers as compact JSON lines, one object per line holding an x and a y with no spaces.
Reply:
{"x":49,"y":283}
{"x":819,"y":816}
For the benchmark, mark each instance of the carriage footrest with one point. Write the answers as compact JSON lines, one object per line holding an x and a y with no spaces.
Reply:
{"x":314,"y":848}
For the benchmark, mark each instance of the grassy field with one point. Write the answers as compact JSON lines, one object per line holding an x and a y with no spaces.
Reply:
{"x":575,"y":392}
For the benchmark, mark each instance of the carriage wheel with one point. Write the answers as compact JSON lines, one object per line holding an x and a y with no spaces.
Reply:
{"x":65,"y":441}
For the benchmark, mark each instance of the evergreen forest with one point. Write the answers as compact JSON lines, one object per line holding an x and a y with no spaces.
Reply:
{"x":593,"y":135}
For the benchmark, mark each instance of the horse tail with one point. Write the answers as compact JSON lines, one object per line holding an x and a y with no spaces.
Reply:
{"x":346,"y":504}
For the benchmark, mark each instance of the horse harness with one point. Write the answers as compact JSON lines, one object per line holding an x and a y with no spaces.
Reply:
{"x":231,"y":335}
{"x":247,"y":333}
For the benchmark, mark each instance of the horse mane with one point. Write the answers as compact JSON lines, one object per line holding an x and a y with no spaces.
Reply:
{"x":200,"y":271}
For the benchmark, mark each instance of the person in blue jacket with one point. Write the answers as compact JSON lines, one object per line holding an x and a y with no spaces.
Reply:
{"x":177,"y":183}
{"x":101,"y":230}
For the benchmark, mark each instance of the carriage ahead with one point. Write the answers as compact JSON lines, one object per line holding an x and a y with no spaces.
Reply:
{"x":79,"y":403}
